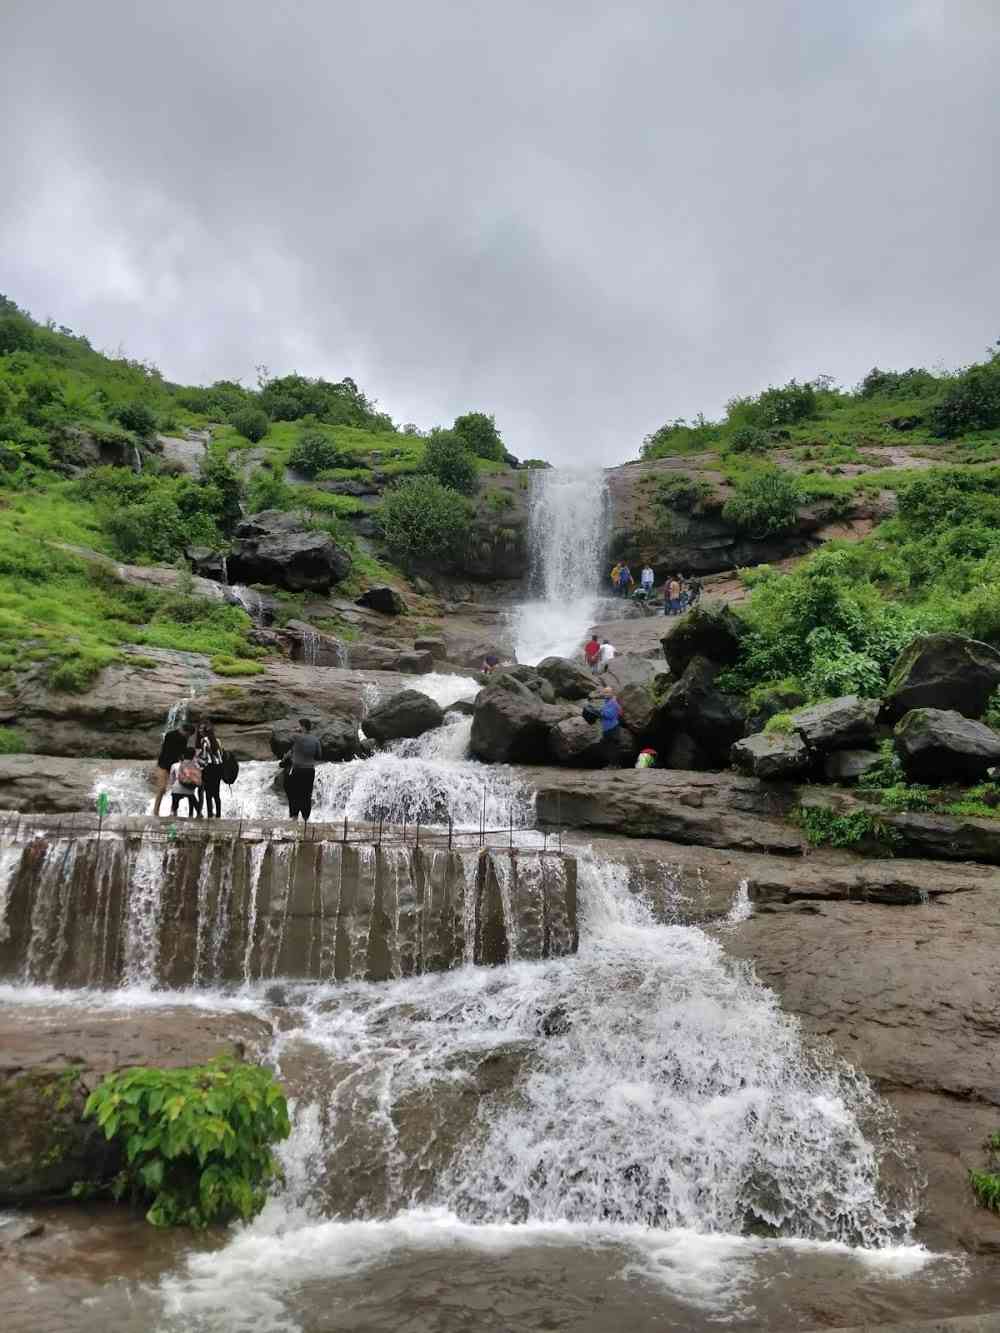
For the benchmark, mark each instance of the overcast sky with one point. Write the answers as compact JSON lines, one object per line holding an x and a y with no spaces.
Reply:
{"x":587,"y":218}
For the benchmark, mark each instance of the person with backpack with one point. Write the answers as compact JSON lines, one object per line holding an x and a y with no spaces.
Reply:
{"x":625,"y":581}
{"x":611,"y":713}
{"x":615,"y":571}
{"x":209,"y":754}
{"x":591,"y":652}
{"x":172,"y":748}
{"x":185,"y":783}
{"x":299,"y":763}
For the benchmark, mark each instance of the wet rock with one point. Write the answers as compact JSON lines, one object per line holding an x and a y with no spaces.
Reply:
{"x":837,"y":724}
{"x":313,"y":647}
{"x":712,"y":632}
{"x":638,"y":708}
{"x":528,"y":676}
{"x":511,"y":724}
{"x":338,"y":737}
{"x":406,"y":715}
{"x":464,"y":706}
{"x":273,"y":547}
{"x":207,"y":563}
{"x":629,"y":669}
{"x":849,"y":765}
{"x":696,"y":706}
{"x":943,"y":671}
{"x":556,"y":1022}
{"x":373,"y":656}
{"x":568,"y":679}
{"x":437,"y":648}
{"x":384,"y":599}
{"x":941,"y":745}
{"x":771,"y":755}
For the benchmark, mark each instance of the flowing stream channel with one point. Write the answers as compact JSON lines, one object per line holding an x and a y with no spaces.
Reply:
{"x":628,"y":1136}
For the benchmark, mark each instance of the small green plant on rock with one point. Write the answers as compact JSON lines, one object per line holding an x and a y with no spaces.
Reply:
{"x":823,"y":826}
{"x":197,"y":1141}
{"x":986,"y":1184}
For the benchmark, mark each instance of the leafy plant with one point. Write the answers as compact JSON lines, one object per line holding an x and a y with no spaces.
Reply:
{"x":822,"y":825}
{"x":136,"y":417}
{"x":424,"y":521}
{"x":780,"y":724}
{"x":480,"y":435}
{"x":683,"y":493}
{"x":447,"y":457}
{"x":313,"y":451}
{"x":986,"y":1184}
{"x":251,"y":422}
{"x":197,"y":1141}
{"x":11,"y":741}
{"x":970,"y":402}
{"x":766,"y":501}
{"x":224,"y":665}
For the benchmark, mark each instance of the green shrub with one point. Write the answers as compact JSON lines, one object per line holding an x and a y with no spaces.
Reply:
{"x":197,"y":1141}
{"x":496,"y":501}
{"x":970,"y":402}
{"x":232,"y":666}
{"x":748,"y":440}
{"x":683,"y":493}
{"x":424,"y":521}
{"x":986,"y":1184}
{"x":910,"y":383}
{"x":136,"y":417}
{"x":250,"y":422}
{"x":780,"y":724}
{"x":766,"y":501}
{"x":821,"y":825}
{"x":480,"y":435}
{"x":448,"y":458}
{"x":313,"y":451}
{"x":268,"y":491}
{"x":11,"y":741}
{"x":775,"y":407}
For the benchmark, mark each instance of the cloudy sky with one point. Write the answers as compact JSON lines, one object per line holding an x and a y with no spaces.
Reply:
{"x":587,"y":218}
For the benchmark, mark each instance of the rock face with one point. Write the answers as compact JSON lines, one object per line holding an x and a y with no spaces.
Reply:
{"x":695,"y":707}
{"x":940,"y":745}
{"x":375,"y":656}
{"x":837,"y":724}
{"x":407,"y":714}
{"x":943,"y":671}
{"x":386,"y":600}
{"x":706,"y":631}
{"x":567,"y":679}
{"x":771,"y":755}
{"x":511,"y":724}
{"x":273,"y":547}
{"x":314,"y":648}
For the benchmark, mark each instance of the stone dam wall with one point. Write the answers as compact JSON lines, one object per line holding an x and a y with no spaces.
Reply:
{"x":149,"y":903}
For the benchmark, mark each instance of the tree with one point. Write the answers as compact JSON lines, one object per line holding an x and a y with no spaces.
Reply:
{"x":480,"y":434}
{"x":313,"y":452}
{"x":424,"y":521}
{"x":447,"y":458}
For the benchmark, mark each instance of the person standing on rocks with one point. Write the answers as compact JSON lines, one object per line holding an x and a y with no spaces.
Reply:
{"x":209,"y":754}
{"x":647,"y":579}
{"x":300,"y":761}
{"x":605,"y":656}
{"x":592,"y":651}
{"x":625,"y":580}
{"x":172,"y":748}
{"x":611,"y":713}
{"x":185,"y":783}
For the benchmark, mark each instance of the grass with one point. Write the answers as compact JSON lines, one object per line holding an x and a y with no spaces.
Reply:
{"x":11,"y":741}
{"x":224,"y":665}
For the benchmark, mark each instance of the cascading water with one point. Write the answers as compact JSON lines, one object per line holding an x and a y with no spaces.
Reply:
{"x":567,"y":536}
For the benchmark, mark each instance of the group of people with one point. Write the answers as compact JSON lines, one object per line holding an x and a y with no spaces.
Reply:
{"x":598,"y":654}
{"x":679,"y":593}
{"x":193,"y":765}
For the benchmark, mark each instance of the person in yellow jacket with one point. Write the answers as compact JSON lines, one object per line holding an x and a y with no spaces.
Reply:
{"x":616,"y":570}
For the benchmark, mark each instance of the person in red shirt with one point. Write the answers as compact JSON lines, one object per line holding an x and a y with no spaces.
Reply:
{"x":591,"y":650}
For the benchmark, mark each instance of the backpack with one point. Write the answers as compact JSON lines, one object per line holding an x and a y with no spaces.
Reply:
{"x":230,"y":767}
{"x":189,"y":774}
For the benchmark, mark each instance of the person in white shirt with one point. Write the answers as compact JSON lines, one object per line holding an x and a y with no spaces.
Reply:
{"x":605,"y":656}
{"x":648,"y":579}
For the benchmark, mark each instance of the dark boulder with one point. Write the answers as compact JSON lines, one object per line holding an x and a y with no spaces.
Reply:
{"x":629,"y":669}
{"x":312,"y":647}
{"x":940,"y":745}
{"x":272,"y":547}
{"x":696,"y":706}
{"x":710,"y":631}
{"x":682,"y":751}
{"x":207,"y":564}
{"x":837,"y":724}
{"x":573,"y":740}
{"x":849,"y":765}
{"x":386,"y":600}
{"x":638,"y":708}
{"x":569,"y":680}
{"x":405,"y":715}
{"x":771,"y":755}
{"x":511,"y":724}
{"x":527,"y":675}
{"x":943,"y":671}
{"x":338,"y":737}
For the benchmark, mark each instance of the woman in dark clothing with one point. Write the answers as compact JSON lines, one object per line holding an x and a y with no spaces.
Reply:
{"x":209,"y":754}
{"x":300,"y":761}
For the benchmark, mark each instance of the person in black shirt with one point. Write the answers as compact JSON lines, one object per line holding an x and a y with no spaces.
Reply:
{"x":209,"y":754}
{"x":300,"y":761}
{"x":174,"y":744}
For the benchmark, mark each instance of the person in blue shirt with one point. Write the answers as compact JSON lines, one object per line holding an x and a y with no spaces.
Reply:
{"x":611,"y":713}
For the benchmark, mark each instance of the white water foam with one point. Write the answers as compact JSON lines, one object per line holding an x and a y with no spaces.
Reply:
{"x":567,"y":530}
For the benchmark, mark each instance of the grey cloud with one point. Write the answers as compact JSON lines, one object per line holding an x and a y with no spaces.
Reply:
{"x":587,"y":219}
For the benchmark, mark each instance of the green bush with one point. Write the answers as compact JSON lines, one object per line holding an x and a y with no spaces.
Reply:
{"x":775,"y":407}
{"x":821,"y":825}
{"x":766,"y":501}
{"x":250,"y":422}
{"x":970,"y":402}
{"x":268,"y":491}
{"x":233,"y":666}
{"x":448,"y":458}
{"x":197,"y":1141}
{"x":136,"y":417}
{"x":986,"y":1184}
{"x":910,"y":383}
{"x":748,"y":440}
{"x":683,"y":493}
{"x":313,"y":451}
{"x":11,"y":741}
{"x":424,"y":521}
{"x":480,"y":435}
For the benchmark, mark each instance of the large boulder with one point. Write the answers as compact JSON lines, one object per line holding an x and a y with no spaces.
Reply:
{"x":714,"y":632}
{"x":384,"y":599}
{"x":695,"y":705}
{"x":837,"y":724}
{"x":638,"y":708}
{"x":273,"y":547}
{"x":940,"y":745}
{"x":771,"y":755}
{"x":511,"y":724}
{"x":569,"y":680}
{"x":943,"y":671}
{"x":405,"y":715}
{"x":849,"y":765}
{"x":528,"y":676}
{"x":338,"y":737}
{"x":314,"y":648}
{"x":437,"y":648}
{"x":572,"y":739}
{"x":369,"y":655}
{"x":629,"y":669}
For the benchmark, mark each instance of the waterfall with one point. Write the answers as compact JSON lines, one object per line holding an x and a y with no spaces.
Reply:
{"x":567,"y":536}
{"x":136,"y":458}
